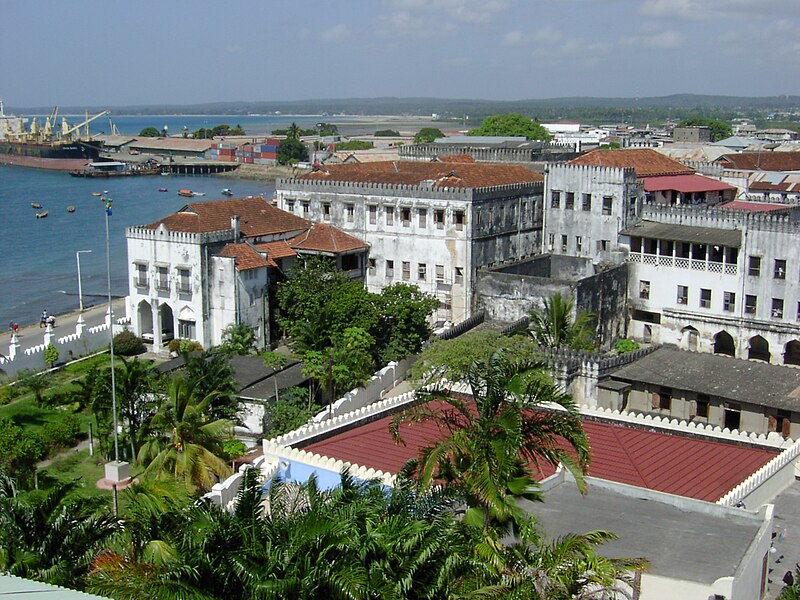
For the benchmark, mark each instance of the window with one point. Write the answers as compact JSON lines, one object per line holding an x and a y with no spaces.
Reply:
{"x":569,"y":201}
{"x":406,"y":270}
{"x":705,"y":298}
{"x":440,"y":273}
{"x":140,"y":279}
{"x":783,"y":422}
{"x":162,"y":278}
{"x":350,"y":262}
{"x":422,"y":213}
{"x":459,"y":275}
{"x":777,"y":308}
{"x":607,"y":201}
{"x":405,"y":216}
{"x":665,"y":398}
{"x":305,"y":207}
{"x":555,"y":199}
{"x":798,"y":311}
{"x":729,"y":301}
{"x":644,"y":289}
{"x":422,"y":271}
{"x":438,"y":218}
{"x":184,"y":280}
{"x":373,"y":214}
{"x":587,"y":202}
{"x":371,"y":266}
{"x":632,"y":206}
{"x":350,"y":211}
{"x":186,"y":329}
{"x":750,"y":304}
{"x":683,"y":294}
{"x":551,"y":240}
{"x":702,"y":406}
{"x":578,"y":244}
{"x":458,"y":217}
{"x":326,"y":211}
{"x":389,"y":269}
{"x":290,"y":205}
{"x":754,"y":266}
{"x":603,"y":245}
{"x":780,"y":269}
{"x":390,"y":215}
{"x":563,"y":242}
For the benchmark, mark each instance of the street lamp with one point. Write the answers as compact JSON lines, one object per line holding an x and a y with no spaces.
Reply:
{"x":80,"y":291}
{"x":115,"y":471}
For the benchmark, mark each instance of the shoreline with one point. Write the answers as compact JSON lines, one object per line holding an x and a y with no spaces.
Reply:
{"x":262,"y":172}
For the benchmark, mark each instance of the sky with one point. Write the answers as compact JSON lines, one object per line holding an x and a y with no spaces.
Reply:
{"x":115,"y":53}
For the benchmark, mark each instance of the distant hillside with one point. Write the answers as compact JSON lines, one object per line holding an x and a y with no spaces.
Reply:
{"x":587,"y":109}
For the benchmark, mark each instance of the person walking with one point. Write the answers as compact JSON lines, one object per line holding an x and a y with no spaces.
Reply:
{"x":43,"y":320}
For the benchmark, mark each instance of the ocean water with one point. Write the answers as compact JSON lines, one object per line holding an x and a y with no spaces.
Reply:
{"x":38,"y":266}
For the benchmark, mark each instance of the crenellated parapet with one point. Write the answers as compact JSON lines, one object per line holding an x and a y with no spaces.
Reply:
{"x":162,"y":234}
{"x":783,"y":221}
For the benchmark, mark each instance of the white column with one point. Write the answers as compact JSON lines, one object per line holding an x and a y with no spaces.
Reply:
{"x":48,"y":334}
{"x":156,"y":326}
{"x":13,"y":347}
{"x":80,"y":325}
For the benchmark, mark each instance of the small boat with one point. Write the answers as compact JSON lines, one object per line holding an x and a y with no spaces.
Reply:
{"x":165,"y":174}
{"x":41,"y":215}
{"x":186,"y":193}
{"x":35,"y":205}
{"x":227,"y":192}
{"x":97,"y":194}
{"x":163,"y":190}
{"x":71,"y":208}
{"x":198,"y":193}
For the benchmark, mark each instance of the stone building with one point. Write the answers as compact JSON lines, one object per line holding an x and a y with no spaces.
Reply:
{"x":214,"y":264}
{"x":431,"y":224}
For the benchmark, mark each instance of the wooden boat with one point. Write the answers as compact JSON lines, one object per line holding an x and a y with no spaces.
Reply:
{"x":163,"y":190}
{"x":186,"y":193}
{"x":41,"y":215}
{"x":71,"y":208}
{"x":227,"y":192}
{"x":35,"y":205}
{"x":97,"y":194}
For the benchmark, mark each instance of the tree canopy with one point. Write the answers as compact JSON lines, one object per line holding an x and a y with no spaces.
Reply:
{"x":427,"y":134}
{"x":149,"y":132}
{"x":719,"y":128}
{"x":553,"y":326}
{"x":355,"y":145}
{"x":221,"y":130}
{"x":512,"y":125}
{"x":291,"y":150}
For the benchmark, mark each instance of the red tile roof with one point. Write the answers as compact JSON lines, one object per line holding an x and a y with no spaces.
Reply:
{"x":463,"y":175}
{"x":674,"y":464}
{"x":245,"y":257}
{"x":762,"y":161}
{"x":753,"y":206}
{"x":257,"y":216}
{"x":645,"y":161}
{"x":456,"y":158}
{"x":685,"y":184}
{"x":325,"y":238}
{"x":277,"y":250}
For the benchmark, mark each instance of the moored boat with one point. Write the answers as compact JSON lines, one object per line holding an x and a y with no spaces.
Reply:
{"x":35,"y":205}
{"x":227,"y":192}
{"x":186,"y":193}
{"x":71,"y":208}
{"x":41,"y":215}
{"x":163,"y":190}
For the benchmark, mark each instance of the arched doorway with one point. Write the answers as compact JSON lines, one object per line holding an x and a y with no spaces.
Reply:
{"x":791,"y":353}
{"x":690,"y":338}
{"x":144,"y":317}
{"x":167,"y":322}
{"x":759,"y":349}
{"x":724,"y":344}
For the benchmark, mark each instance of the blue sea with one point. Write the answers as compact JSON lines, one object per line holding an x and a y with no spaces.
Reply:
{"x":39,"y":266}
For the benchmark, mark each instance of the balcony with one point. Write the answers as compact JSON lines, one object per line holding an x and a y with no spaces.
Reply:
{"x":658,"y":260}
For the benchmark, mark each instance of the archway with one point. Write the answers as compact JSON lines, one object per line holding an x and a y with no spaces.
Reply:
{"x":144,"y":317}
{"x":724,"y":344}
{"x":167,"y":322}
{"x":759,"y":349}
{"x":690,"y":338}
{"x":791,"y":353}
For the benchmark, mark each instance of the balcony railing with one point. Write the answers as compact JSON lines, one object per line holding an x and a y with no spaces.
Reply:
{"x":660,"y":260}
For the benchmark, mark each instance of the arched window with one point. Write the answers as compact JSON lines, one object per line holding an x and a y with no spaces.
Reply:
{"x":759,"y":349}
{"x":724,"y":344}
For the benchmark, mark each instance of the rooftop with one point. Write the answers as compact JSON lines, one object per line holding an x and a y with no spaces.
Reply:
{"x":246,"y":257}
{"x":685,"y":233}
{"x":750,"y":206}
{"x":451,"y":175}
{"x":170,"y":143}
{"x":645,"y":161}
{"x":321,"y":237}
{"x":685,"y":184}
{"x":746,"y":381}
{"x":762,"y":161}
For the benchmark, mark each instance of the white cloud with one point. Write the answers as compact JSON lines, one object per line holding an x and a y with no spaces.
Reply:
{"x":337,"y":33}
{"x":513,"y":38}
{"x":663,"y":40}
{"x":404,"y":24}
{"x":466,"y":11}
{"x":703,"y":10}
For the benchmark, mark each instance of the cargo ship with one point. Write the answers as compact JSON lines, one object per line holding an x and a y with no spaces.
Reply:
{"x":44,"y":147}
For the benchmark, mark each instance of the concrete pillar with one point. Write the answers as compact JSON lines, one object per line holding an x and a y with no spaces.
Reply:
{"x":156,"y":326}
{"x":109,"y":316}
{"x":13,"y":346}
{"x":80,"y":325}
{"x":48,"y":335}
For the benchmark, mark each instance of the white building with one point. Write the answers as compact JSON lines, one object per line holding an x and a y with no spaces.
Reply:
{"x":431,"y":224}
{"x":212,"y":264}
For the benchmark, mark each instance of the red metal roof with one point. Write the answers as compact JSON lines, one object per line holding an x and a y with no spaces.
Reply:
{"x":675,"y":464}
{"x":685,"y":184}
{"x":754,"y":206}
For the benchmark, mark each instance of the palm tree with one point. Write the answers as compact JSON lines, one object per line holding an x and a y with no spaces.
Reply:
{"x":293,"y":132}
{"x":493,"y":436}
{"x":552,"y":327}
{"x":186,"y":443}
{"x":134,"y":392}
{"x":51,"y":536}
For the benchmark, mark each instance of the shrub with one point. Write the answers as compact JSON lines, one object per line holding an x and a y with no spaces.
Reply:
{"x":354,"y":145}
{"x":50,"y":355}
{"x":623,"y":346}
{"x":234,"y":449}
{"x":174,"y":345}
{"x":387,"y":133}
{"x":61,"y":434}
{"x":189,"y":346}
{"x":8,"y":393}
{"x":127,"y":344}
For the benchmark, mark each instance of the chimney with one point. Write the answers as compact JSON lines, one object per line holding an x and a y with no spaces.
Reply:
{"x":235,"y":227}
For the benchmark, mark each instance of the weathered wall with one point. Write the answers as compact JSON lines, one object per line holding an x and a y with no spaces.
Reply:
{"x":605,"y":294}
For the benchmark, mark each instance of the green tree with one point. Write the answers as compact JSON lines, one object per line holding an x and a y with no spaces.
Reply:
{"x":386,"y":133}
{"x":719,"y":128}
{"x":495,"y":434}
{"x":346,"y":364}
{"x":35,"y":383}
{"x":20,"y":450}
{"x":149,"y":132}
{"x":135,"y":387}
{"x":294,"y":132}
{"x":203,"y":134}
{"x":210,"y":374}
{"x":291,"y":410}
{"x":405,"y":325}
{"x":291,"y":150}
{"x":354,"y":145}
{"x":553,"y":327}
{"x":50,"y":355}
{"x":238,"y":340}
{"x":185,"y":444}
{"x":427,"y":134}
{"x":514,"y":125}
{"x":53,"y":535}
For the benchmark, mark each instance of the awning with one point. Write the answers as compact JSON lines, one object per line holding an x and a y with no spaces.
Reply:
{"x":731,"y":238}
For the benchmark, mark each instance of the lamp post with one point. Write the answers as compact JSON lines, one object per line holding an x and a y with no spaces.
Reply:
{"x":80,"y":291}
{"x":115,"y":471}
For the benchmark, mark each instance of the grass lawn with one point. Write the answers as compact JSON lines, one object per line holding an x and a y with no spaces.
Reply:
{"x":79,"y":465}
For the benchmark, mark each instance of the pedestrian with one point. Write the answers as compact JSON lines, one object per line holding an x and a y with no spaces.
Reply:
{"x":788,"y":578}
{"x":43,"y":320}
{"x":14,"y":327}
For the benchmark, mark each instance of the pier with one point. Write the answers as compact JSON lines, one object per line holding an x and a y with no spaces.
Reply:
{"x":195,"y":167}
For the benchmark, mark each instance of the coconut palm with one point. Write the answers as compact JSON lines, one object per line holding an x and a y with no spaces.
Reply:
{"x":553,"y":327}
{"x":135,"y":395}
{"x":186,"y":444}
{"x":51,"y":536}
{"x":493,"y":436}
{"x":293,"y":132}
